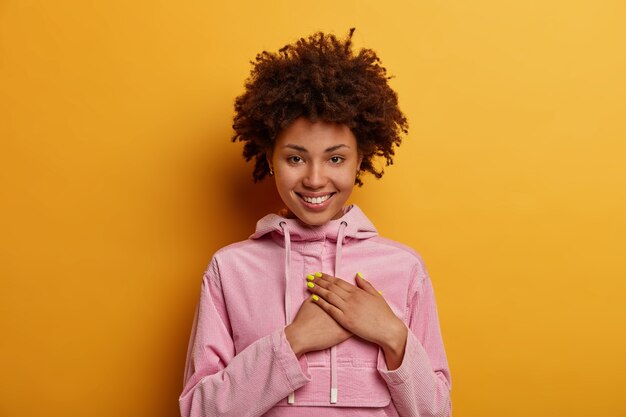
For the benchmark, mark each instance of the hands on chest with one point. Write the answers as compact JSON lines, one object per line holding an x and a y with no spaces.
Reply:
{"x":337,"y":310}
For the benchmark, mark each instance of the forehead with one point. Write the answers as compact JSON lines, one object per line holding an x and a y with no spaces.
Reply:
{"x":315,"y":135}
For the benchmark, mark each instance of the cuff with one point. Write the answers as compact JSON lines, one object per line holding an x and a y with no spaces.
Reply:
{"x":415,"y":361}
{"x":296,"y":370}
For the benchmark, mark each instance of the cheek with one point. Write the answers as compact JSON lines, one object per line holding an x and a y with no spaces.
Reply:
{"x":284,"y":183}
{"x":346,"y":181}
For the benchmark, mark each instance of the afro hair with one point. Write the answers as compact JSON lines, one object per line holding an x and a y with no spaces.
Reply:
{"x":319,"y":78}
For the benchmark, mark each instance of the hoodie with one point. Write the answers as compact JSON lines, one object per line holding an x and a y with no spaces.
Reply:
{"x":239,"y":362}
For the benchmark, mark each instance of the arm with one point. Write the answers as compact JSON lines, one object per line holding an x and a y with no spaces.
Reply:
{"x":411,"y":359}
{"x":421,"y":385}
{"x":219,"y":383}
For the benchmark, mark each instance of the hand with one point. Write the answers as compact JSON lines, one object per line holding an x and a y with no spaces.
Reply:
{"x":363,"y":311}
{"x":312,"y":329}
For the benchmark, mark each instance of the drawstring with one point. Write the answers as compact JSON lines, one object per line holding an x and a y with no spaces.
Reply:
{"x":333,"y":350}
{"x":287,"y":269}
{"x":292,"y":397}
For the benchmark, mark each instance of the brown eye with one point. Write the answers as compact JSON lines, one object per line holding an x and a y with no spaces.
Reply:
{"x":294,"y":159}
{"x":336,"y":159}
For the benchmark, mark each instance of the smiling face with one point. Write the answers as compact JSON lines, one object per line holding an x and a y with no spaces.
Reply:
{"x":315,"y":165}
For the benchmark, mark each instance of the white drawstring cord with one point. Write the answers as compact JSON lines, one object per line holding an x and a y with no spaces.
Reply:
{"x":333,"y":350}
{"x":292,"y":397}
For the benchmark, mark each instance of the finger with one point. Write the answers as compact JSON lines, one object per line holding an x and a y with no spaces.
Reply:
{"x":365,"y":285}
{"x":334,"y":280}
{"x":329,"y":296}
{"x":334,"y":284}
{"x":329,"y":308}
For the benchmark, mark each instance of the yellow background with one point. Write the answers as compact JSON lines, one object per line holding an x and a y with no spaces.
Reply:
{"x":118,"y":181}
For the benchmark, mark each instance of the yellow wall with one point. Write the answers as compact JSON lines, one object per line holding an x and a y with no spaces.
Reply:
{"x":118,"y":181}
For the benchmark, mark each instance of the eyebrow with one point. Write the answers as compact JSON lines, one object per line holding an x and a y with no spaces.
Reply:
{"x":303,"y":149}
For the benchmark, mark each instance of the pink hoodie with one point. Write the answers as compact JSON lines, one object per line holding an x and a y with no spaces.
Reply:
{"x":239,"y":362}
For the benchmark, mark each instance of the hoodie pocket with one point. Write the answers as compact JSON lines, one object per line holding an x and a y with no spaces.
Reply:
{"x":357,"y":386}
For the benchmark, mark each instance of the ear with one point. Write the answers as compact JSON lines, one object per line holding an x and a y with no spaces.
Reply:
{"x":358,"y":165}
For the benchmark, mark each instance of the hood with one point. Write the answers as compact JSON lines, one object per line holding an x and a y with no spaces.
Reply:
{"x":357,"y":226}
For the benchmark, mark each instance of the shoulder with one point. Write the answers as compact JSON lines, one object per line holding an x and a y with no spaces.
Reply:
{"x":395,"y":245}
{"x":397,"y":248}
{"x":242,"y":250}
{"x":404,"y":254}
{"x":243,"y":247}
{"x":238,"y":247}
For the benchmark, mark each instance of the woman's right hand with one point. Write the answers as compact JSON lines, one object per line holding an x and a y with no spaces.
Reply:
{"x":313,"y":329}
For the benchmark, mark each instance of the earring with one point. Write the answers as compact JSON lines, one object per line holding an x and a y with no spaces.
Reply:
{"x":271,"y":172}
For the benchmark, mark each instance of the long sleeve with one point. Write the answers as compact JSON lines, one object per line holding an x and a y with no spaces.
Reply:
{"x":421,"y":385}
{"x":217,"y":381}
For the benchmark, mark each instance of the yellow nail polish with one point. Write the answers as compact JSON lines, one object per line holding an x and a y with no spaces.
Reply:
{"x":380,"y":292}
{"x":315,"y":297}
{"x":310,"y":284}
{"x":310,"y":277}
{"x":358,"y":274}
{"x":318,"y":274}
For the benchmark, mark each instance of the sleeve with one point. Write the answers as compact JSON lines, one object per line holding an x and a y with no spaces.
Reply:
{"x":421,"y":385}
{"x":218,"y":382}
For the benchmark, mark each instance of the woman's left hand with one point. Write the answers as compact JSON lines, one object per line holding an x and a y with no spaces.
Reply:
{"x":363,"y":311}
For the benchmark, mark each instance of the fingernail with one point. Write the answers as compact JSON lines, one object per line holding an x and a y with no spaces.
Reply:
{"x":310,"y":284}
{"x":358,"y":274}
{"x":310,"y":277}
{"x":318,"y":274}
{"x":315,"y":297}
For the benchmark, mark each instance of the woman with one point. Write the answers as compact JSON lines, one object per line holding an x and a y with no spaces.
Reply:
{"x":315,"y":313}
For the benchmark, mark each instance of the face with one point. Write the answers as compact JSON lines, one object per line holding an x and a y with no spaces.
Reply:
{"x":315,"y":165}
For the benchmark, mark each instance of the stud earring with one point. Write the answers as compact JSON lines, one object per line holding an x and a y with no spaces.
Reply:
{"x":271,"y":172}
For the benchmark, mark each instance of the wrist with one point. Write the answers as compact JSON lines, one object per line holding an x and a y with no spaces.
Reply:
{"x":394,"y":344}
{"x":291,"y":335}
{"x":394,"y":338}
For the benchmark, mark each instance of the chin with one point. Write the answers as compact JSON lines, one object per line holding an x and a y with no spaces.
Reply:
{"x":318,"y":219}
{"x":311,"y":221}
{"x":314,"y":223}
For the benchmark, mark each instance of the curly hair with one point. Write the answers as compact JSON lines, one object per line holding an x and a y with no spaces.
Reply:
{"x":320,"y":78}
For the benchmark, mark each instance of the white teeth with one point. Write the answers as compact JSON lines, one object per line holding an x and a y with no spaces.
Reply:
{"x":316,"y":200}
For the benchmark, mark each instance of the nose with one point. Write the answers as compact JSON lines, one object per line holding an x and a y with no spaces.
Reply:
{"x":315,"y":177}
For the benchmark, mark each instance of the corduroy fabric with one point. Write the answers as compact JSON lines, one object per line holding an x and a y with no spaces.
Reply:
{"x":239,"y":362}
